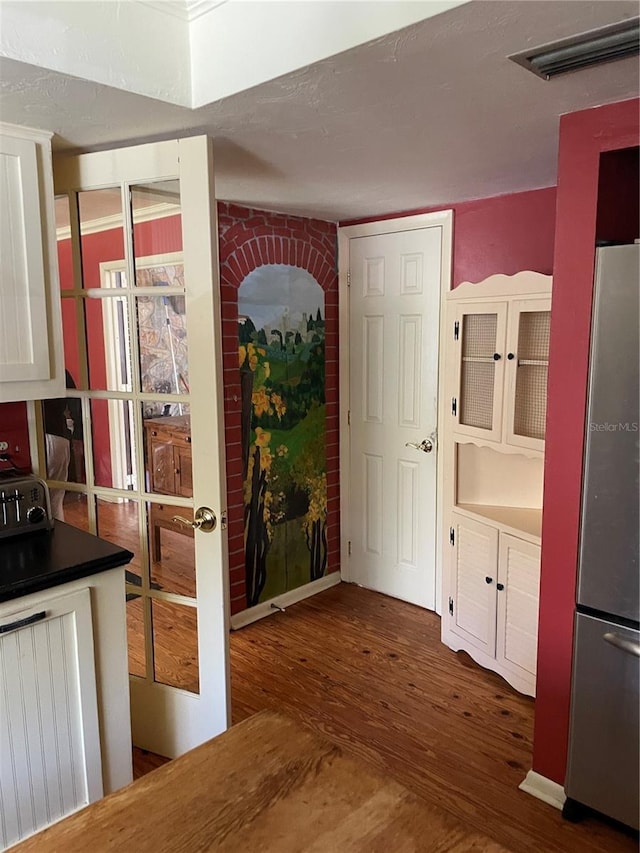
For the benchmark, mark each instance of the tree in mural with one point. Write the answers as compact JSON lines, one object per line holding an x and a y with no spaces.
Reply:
{"x":314,"y":484}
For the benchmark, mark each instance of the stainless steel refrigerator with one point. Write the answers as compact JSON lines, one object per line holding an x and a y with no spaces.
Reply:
{"x":604,"y":765}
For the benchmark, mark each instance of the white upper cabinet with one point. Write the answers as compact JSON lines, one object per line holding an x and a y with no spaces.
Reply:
{"x":31,"y":360}
{"x":500,"y":353}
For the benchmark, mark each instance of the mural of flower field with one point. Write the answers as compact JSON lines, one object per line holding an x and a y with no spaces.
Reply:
{"x":281,"y":349}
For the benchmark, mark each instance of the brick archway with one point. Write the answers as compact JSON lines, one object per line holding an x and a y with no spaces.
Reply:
{"x":250,"y":239}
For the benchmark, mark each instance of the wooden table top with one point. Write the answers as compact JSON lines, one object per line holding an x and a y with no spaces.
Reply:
{"x":267,"y":784}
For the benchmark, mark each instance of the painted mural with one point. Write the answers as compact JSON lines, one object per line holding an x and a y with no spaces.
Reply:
{"x":281,"y":332}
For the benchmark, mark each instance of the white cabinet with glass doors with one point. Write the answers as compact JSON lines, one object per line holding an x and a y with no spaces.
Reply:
{"x":496,"y":368}
{"x":499,"y":362}
{"x":30,"y":321}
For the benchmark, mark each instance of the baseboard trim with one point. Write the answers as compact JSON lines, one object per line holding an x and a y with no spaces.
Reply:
{"x":543,"y":789}
{"x":266,"y":608}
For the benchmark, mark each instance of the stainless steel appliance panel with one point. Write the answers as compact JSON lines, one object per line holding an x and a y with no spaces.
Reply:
{"x":609,"y":572}
{"x":603,"y":763}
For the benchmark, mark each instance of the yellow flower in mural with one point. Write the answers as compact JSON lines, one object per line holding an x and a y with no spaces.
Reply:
{"x":265,"y":459}
{"x":261,"y":402}
{"x":282,"y":450}
{"x":262,"y":437}
{"x":267,"y":369}
{"x":242,"y":354}
{"x":253,"y":356}
{"x":317,"y":500}
{"x":279,"y":405}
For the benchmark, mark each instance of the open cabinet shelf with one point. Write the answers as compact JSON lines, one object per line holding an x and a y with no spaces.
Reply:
{"x":520,"y":521}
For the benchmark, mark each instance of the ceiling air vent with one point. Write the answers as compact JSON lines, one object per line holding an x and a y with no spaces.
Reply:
{"x":616,"y":41}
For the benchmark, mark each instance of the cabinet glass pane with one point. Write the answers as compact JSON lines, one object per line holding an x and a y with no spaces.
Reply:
{"x":531,"y":377}
{"x":479,"y":334}
{"x":175,"y":645}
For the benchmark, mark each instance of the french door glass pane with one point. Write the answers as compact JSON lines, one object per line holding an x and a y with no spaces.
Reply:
{"x":167,"y":448}
{"x":118,"y":522}
{"x":157,"y":229}
{"x":113,"y":435}
{"x":162,"y":329}
{"x":171,"y":550}
{"x":101,"y":234}
{"x":108,"y":343}
{"x":175,"y":645}
{"x":63,"y":221}
{"x":76,"y":510}
{"x":135,"y":633}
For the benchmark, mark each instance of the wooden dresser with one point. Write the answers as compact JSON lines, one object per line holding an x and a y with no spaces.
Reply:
{"x":169,"y":472}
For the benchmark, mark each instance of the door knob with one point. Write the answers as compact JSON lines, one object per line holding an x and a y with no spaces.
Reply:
{"x":426,"y":445}
{"x":204,"y":519}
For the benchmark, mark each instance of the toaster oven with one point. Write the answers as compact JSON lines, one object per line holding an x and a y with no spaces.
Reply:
{"x":24,"y":506}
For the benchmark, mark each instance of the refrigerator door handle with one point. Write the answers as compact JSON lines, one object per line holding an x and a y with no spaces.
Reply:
{"x":621,"y":643}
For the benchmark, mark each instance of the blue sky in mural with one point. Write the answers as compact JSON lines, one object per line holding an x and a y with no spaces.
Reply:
{"x":270,"y":288}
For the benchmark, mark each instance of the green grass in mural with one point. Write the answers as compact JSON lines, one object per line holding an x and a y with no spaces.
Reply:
{"x":287,"y":561}
{"x":310,"y":429}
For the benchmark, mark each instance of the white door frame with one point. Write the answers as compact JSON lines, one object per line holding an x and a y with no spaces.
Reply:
{"x":444,"y":220}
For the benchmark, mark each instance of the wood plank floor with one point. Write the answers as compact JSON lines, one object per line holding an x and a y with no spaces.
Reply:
{"x":371,"y":674}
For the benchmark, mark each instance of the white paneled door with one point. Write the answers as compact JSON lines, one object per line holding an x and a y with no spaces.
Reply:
{"x":389,"y":500}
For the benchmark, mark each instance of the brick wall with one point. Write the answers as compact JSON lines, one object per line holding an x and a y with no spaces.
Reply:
{"x":249,"y":239}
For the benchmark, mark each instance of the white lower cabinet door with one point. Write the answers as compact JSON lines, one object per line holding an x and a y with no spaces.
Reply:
{"x":472,"y":607}
{"x":50,"y":763}
{"x":517,"y":618}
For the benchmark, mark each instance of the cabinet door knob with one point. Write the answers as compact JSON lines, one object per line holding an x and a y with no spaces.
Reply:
{"x":500,"y":586}
{"x":489,"y":580}
{"x":496,"y":356}
{"x":510,"y":356}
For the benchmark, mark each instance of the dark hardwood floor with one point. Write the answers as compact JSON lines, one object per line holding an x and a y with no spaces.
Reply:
{"x":371,"y":674}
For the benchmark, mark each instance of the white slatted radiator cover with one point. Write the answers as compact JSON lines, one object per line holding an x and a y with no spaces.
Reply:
{"x":50,"y":763}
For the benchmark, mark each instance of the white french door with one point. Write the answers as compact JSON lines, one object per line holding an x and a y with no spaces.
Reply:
{"x":137,"y":247}
{"x":398,"y":272}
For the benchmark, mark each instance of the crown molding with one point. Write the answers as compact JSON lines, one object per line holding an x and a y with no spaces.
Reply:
{"x":183,"y":10}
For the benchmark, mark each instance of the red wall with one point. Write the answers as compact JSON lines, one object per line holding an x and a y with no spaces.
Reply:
{"x":249,"y":239}
{"x":504,"y":233}
{"x":583,"y":137}
{"x":14,"y":430}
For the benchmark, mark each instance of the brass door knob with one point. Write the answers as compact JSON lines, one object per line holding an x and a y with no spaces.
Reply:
{"x":204,"y":519}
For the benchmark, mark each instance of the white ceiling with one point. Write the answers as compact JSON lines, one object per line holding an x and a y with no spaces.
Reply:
{"x":432,"y":114}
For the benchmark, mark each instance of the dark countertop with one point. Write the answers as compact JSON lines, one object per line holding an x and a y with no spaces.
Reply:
{"x":36,"y":561}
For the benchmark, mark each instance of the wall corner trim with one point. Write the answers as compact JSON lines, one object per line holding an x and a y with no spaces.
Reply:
{"x":543,"y":789}
{"x":252,"y":614}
